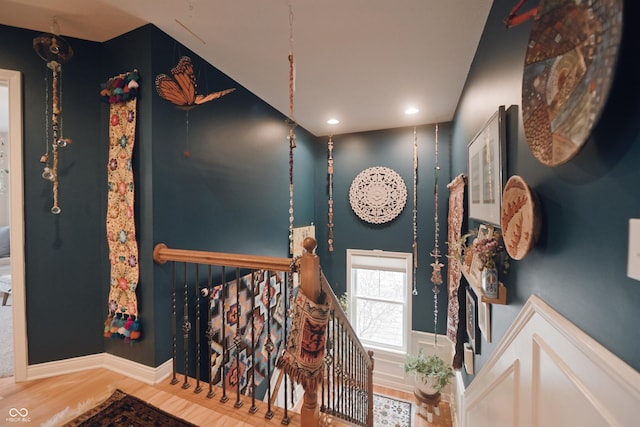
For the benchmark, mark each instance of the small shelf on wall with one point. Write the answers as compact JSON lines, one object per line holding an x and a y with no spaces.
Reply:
{"x":473,"y":282}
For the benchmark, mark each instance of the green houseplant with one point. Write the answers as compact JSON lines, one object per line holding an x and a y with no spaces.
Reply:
{"x":431,"y":373}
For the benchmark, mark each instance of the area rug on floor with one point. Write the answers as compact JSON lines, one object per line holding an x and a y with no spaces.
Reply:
{"x":122,"y":409}
{"x":391,"y":412}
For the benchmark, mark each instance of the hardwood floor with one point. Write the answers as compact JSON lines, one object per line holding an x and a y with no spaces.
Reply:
{"x":444,"y":420}
{"x":46,"y":398}
{"x":67,"y":396}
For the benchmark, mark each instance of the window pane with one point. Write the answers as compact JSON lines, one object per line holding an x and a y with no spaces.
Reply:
{"x":389,"y":285}
{"x":379,"y":322}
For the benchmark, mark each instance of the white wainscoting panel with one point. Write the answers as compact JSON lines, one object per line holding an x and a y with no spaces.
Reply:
{"x":545,"y":373}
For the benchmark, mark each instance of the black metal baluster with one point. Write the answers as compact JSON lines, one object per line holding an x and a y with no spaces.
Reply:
{"x":210,"y":331}
{"x":360,"y":395}
{"x":269,"y":347}
{"x":174,"y":321}
{"x":352,"y":381}
{"x":254,"y":407}
{"x":283,"y":291}
{"x":198,"y":389}
{"x":225,"y":356}
{"x":186,"y":327}
{"x":333,"y":364}
{"x":237,"y":340}
{"x":343,"y":371}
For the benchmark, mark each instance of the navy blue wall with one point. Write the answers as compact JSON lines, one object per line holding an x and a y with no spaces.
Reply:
{"x":392,"y":148}
{"x":231,"y":195}
{"x":579,"y":264}
{"x":62,"y":253}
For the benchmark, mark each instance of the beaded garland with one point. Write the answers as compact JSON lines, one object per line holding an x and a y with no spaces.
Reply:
{"x":122,"y":319}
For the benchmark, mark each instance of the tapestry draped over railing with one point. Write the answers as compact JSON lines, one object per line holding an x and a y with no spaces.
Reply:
{"x":231,"y":316}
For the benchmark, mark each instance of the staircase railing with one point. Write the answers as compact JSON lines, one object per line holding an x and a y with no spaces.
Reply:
{"x":230,"y":321}
{"x":347,"y":388}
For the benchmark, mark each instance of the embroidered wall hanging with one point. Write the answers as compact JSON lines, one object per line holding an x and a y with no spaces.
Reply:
{"x":456,"y":216}
{"x":378,"y":195}
{"x":122,"y":321}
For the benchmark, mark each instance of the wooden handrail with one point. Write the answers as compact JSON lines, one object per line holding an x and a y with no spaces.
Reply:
{"x":162,"y":254}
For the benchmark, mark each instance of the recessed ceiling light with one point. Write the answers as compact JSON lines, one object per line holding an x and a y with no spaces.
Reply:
{"x":411,"y":110}
{"x":333,"y":121}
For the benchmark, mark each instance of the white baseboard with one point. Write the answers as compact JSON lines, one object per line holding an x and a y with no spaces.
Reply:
{"x":135,"y":370}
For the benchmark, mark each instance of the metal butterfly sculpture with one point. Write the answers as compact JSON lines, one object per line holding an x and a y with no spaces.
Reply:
{"x":181,"y":88}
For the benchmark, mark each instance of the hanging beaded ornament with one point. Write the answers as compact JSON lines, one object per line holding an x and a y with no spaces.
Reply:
{"x":330,"y":172}
{"x":436,"y":276}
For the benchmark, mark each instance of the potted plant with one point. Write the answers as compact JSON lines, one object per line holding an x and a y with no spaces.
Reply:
{"x":431,"y":373}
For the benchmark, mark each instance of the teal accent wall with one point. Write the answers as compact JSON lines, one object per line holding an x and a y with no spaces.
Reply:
{"x":63,"y":270}
{"x":392,"y":148}
{"x":232,"y":193}
{"x":579,"y":264}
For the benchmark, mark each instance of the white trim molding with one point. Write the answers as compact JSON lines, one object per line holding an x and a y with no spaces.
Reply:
{"x":547,"y":372}
{"x":135,"y":370}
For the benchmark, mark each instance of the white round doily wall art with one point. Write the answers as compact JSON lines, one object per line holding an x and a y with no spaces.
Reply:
{"x":378,"y":195}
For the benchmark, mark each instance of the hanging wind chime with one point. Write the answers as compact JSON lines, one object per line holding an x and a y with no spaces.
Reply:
{"x":436,"y":275}
{"x":55,"y":51}
{"x":330,"y":172}
{"x":292,"y":125}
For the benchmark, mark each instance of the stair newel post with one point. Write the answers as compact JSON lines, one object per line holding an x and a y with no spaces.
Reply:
{"x":310,"y":285}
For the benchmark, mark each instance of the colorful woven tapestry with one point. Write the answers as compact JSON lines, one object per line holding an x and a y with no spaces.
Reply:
{"x":456,"y":216}
{"x":237,"y":365}
{"x":122,"y":321}
{"x":303,"y":357}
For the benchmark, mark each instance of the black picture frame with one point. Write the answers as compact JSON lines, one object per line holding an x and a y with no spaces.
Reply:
{"x":471,"y":310}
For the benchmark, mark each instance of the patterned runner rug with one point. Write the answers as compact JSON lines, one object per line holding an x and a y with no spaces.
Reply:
{"x":391,"y":412}
{"x":122,"y":409}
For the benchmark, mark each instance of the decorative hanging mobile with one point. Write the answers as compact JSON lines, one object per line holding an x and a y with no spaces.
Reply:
{"x":572,"y":49}
{"x":330,"y":171}
{"x":55,"y":51}
{"x":122,"y":319}
{"x":436,"y":275}
{"x":292,"y":125}
{"x":415,"y":211}
{"x":181,"y":89}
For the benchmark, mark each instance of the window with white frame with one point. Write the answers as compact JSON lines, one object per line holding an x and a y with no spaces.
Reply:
{"x":379,"y":297}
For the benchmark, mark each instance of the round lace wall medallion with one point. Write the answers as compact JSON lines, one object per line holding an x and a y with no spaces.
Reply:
{"x":378,"y":195}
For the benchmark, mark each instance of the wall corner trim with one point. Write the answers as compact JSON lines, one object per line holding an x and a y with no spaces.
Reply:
{"x":135,"y":370}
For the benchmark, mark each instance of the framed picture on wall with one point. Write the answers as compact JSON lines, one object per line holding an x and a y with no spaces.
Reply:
{"x":484,"y":319}
{"x":486,"y":157}
{"x":473,"y":333}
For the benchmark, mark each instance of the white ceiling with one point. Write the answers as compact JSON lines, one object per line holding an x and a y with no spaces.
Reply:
{"x":361,"y":61}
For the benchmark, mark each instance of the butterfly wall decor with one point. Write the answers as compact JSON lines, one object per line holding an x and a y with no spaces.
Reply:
{"x":180,"y":87}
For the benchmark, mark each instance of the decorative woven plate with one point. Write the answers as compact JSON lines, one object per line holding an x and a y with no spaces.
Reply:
{"x":520,"y":219}
{"x":378,"y":195}
{"x":572,"y":51}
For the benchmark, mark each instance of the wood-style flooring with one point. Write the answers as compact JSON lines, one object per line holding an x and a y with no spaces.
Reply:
{"x":64,"y":397}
